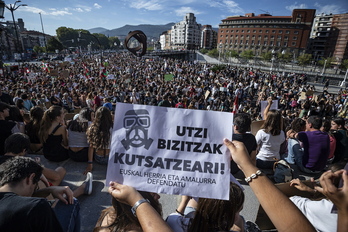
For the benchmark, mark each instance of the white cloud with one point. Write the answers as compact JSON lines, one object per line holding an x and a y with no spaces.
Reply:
{"x":96,"y":5}
{"x":296,"y":6}
{"x":227,"y":5}
{"x":52,"y":11}
{"x":78,"y":9}
{"x":147,"y":5}
{"x":182,"y":11}
{"x":327,"y":9}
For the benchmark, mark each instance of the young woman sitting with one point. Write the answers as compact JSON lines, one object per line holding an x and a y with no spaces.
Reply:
{"x":53,"y":134}
{"x":99,"y":138}
{"x":78,"y":144}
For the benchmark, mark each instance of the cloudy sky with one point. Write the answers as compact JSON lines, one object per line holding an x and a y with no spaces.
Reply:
{"x":111,"y":14}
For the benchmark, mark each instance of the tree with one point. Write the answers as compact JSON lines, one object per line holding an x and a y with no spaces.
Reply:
{"x":247,"y":54}
{"x":67,"y":36}
{"x":213,"y":53}
{"x":204,"y":51}
{"x":104,"y":41}
{"x":344,"y":64}
{"x":304,"y":59}
{"x":285,"y":57}
{"x":37,"y":49}
{"x":329,"y":60}
{"x":233,"y":54}
{"x":53,"y":44}
{"x":266,"y":56}
{"x":114,"y":42}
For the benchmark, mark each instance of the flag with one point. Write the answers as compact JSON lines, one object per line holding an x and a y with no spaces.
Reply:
{"x":87,"y":72}
{"x":102,"y":72}
{"x":235,"y":105}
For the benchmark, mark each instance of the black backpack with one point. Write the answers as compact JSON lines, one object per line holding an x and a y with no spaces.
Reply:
{"x":282,"y":171}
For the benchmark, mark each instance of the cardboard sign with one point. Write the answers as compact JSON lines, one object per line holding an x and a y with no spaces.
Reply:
{"x":54,"y":72}
{"x":171,"y":150}
{"x":168,"y":77}
{"x":274,"y":106}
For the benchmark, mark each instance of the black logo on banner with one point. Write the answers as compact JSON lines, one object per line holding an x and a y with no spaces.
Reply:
{"x":136,"y":123}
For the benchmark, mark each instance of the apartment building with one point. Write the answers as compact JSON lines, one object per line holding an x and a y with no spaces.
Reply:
{"x":208,"y":37}
{"x":265,"y":32}
{"x":186,"y":34}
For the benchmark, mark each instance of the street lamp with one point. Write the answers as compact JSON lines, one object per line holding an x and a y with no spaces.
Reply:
{"x":322,"y":72}
{"x":220,"y":47}
{"x":2,"y":8}
{"x":343,"y":84}
{"x":12,"y":8}
{"x":273,"y":58}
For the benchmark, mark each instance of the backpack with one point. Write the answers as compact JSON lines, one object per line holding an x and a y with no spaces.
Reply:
{"x":282,"y":171}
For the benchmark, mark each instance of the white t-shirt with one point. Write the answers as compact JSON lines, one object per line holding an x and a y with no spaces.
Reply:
{"x":317,"y":212}
{"x":269,"y":145}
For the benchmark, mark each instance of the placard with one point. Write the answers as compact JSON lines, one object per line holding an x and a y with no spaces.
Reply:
{"x":171,"y":150}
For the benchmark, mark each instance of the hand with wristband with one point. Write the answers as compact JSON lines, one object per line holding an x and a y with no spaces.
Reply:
{"x":141,"y":208}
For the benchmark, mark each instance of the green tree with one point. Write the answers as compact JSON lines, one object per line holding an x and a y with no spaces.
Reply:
{"x":53,"y":44}
{"x":304,"y":59}
{"x":247,"y":54}
{"x":213,"y":53}
{"x":114,"y":41}
{"x":329,"y":60}
{"x":233,"y":54}
{"x":344,"y":64}
{"x":203,"y":51}
{"x":287,"y":57}
{"x":37,"y":49}
{"x":67,"y":36}
{"x":266,"y":56}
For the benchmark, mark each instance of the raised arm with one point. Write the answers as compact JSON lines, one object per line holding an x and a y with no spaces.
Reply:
{"x":277,"y":206}
{"x":265,"y":112}
{"x":148,"y":217}
{"x":338,"y":196}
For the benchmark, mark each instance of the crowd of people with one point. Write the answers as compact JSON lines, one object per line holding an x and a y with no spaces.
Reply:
{"x":308,"y":129}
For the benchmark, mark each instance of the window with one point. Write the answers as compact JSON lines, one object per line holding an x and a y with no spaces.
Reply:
{"x":273,"y":31}
{"x":226,"y":31}
{"x":271,"y":43}
{"x":278,"y":43}
{"x":279,"y":37}
{"x":241,"y":42}
{"x":254,"y":31}
{"x":287,"y":32}
{"x":294,"y":38}
{"x":266,"y":31}
{"x":260,"y":31}
{"x":248,"y":31}
{"x":286,"y":37}
{"x":272,"y":37}
{"x":280,"y":32}
{"x":232,"y":31}
{"x":293,"y":44}
{"x":237,"y":31}
{"x":296,"y":32}
{"x":242,"y":31}
{"x":285,"y":44}
{"x":265,"y":43}
{"x":266,"y":37}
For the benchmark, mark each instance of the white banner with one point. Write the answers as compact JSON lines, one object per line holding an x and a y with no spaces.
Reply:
{"x":171,"y":150}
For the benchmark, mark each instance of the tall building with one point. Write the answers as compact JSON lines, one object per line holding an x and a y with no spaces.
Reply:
{"x":186,"y":34}
{"x":208,"y":37}
{"x":165,"y":40}
{"x":329,"y":37}
{"x":319,"y":35}
{"x":264,"y":32}
{"x":338,"y":41}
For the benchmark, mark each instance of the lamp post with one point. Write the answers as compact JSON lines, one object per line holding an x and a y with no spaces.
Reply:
{"x":343,"y":84}
{"x":220,"y":47}
{"x":2,"y":8}
{"x":12,"y":8}
{"x":43,"y":31}
{"x":322,"y":72}
{"x":273,"y":58}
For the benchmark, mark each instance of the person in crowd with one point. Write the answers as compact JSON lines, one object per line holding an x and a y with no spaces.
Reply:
{"x":17,"y":145}
{"x":210,"y":214}
{"x":107,"y":103}
{"x":20,"y":207}
{"x":316,"y":146}
{"x":241,"y":125}
{"x":53,"y":134}
{"x":16,"y":116}
{"x":90,"y":101}
{"x":326,"y":127}
{"x":77,"y":137}
{"x":7,"y":127}
{"x":119,"y":216}
{"x":20,"y":105}
{"x":33,"y":127}
{"x":294,"y":146}
{"x":27,"y":102}
{"x":341,"y":135}
{"x":5,"y":97}
{"x":99,"y":138}
{"x":269,"y":139}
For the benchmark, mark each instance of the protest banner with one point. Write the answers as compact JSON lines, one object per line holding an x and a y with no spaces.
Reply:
{"x":274,"y":106}
{"x":168,"y":77}
{"x":171,"y":150}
